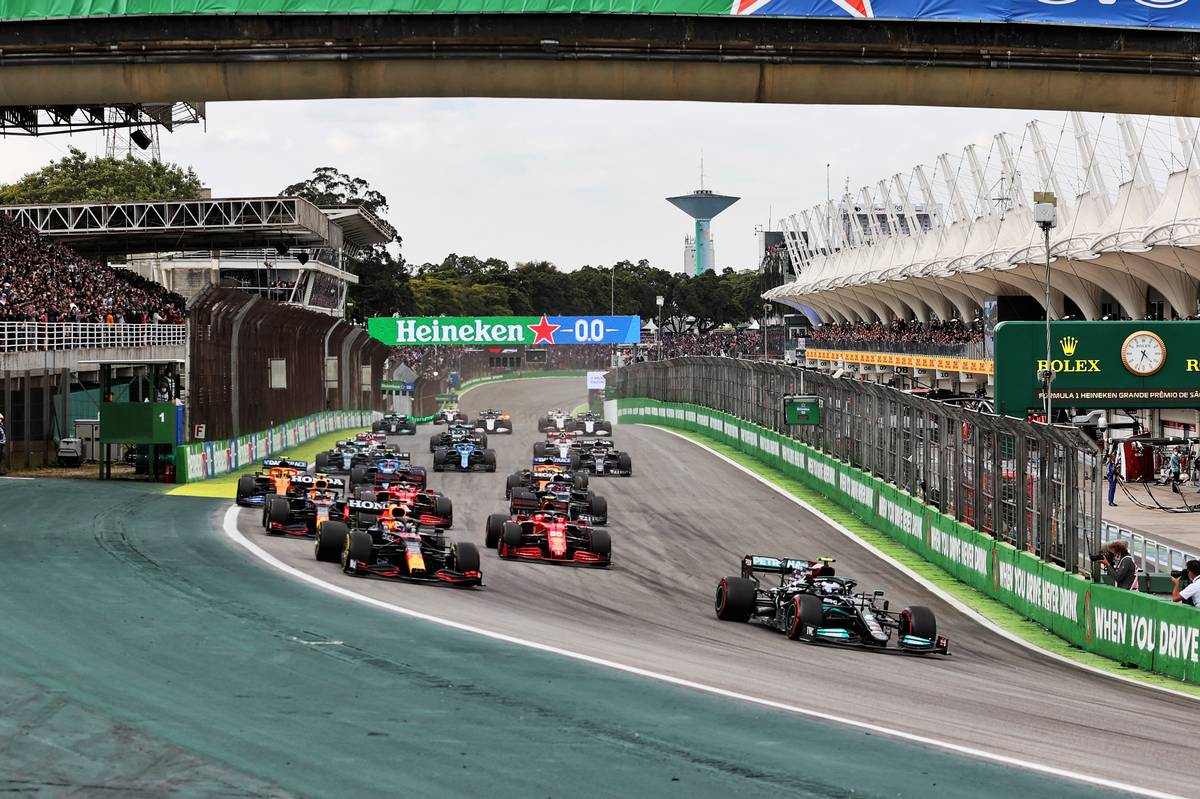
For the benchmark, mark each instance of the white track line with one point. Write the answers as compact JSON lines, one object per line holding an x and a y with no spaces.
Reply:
{"x":229,"y":524}
{"x":932,"y":587}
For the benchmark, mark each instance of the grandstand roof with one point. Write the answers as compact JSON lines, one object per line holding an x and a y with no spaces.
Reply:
{"x":361,"y":227}
{"x":121,"y":228}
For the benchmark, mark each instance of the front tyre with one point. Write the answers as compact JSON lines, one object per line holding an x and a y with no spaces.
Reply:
{"x":331,"y":537}
{"x":466,"y":557}
{"x":357,"y":550}
{"x":802,"y":617}
{"x":918,"y":621}
{"x":735,"y":599}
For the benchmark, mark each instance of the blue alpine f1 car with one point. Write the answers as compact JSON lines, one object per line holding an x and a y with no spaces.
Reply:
{"x":464,"y":456}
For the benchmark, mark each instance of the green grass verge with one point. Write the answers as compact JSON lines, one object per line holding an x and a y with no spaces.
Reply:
{"x":998,"y":613}
{"x":223,"y":487}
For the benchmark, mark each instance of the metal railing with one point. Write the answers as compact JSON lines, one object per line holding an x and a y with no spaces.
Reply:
{"x":38,"y":336}
{"x":1151,"y":555}
{"x":1034,"y":486}
{"x":974,"y":350}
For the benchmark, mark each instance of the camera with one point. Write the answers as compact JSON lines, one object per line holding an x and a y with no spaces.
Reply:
{"x":1177,"y":573}
{"x":1097,"y":557}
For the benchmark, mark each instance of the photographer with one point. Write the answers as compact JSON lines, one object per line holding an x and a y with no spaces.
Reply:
{"x":1118,"y":563}
{"x":1191,"y":593}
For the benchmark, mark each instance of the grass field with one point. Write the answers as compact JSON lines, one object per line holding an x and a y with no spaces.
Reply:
{"x":225,"y":485}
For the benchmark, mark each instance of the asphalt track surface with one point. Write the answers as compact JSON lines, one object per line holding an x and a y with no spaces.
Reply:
{"x":683,"y":521}
{"x":143,"y":654}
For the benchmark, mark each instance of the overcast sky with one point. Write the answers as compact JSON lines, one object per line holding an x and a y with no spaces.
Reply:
{"x":573,"y":182}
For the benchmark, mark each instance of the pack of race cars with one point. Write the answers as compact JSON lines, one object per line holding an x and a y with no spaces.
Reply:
{"x":366,"y":506}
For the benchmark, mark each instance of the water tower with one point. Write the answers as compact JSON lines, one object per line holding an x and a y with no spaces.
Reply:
{"x":702,"y":205}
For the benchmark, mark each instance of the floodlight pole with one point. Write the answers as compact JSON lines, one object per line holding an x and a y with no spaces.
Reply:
{"x":660,"y":300}
{"x":1045,"y":215}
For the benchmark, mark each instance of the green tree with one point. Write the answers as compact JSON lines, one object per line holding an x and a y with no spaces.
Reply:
{"x":77,"y":178}
{"x":383,"y":286}
{"x":434,"y":296}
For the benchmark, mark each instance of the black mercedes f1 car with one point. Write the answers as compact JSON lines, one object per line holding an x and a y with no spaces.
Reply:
{"x":811,"y":603}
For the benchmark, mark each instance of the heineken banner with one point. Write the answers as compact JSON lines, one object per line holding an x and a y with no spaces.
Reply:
{"x":534,"y":330}
{"x":1128,"y":626}
{"x":1139,"y":364}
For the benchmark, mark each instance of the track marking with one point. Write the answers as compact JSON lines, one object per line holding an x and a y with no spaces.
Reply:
{"x":930,"y":586}
{"x":229,"y":526}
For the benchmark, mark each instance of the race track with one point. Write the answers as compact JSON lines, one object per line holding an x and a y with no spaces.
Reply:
{"x":144,"y":652}
{"x":683,"y":521}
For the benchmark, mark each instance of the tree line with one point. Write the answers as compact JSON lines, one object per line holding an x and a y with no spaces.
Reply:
{"x":461,"y":285}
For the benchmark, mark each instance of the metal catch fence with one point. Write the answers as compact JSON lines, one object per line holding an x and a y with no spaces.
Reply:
{"x":1036,"y":486}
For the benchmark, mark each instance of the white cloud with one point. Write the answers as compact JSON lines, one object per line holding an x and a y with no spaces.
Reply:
{"x":573,"y":182}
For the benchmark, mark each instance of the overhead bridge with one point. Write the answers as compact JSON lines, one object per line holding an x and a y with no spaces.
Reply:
{"x":768,"y":59}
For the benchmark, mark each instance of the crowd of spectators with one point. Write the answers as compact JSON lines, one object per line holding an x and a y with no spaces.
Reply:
{"x":901,"y":333}
{"x":731,"y":344}
{"x":42,"y":281}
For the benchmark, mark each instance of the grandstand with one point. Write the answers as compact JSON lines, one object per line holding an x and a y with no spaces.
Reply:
{"x":952,"y":249}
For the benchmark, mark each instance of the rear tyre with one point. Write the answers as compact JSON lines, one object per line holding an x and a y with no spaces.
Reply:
{"x":322,"y":461}
{"x":576,"y":461}
{"x":489,"y":460}
{"x":513,"y":481}
{"x":435,"y":440}
{"x":482,"y":440}
{"x":605,"y":426}
{"x":442,"y":506}
{"x":279,"y":511}
{"x":803,"y":612}
{"x":624,"y":462}
{"x":245,"y":487}
{"x":439,"y":459}
{"x":735,"y":599}
{"x":493,"y":529}
{"x":358,"y":474}
{"x":510,"y":538}
{"x":918,"y":621}
{"x":365,"y":493}
{"x":331,"y":538}
{"x":358,"y":548}
{"x":377,"y":427}
{"x":466,"y":557}
{"x":601,"y":544}
{"x":539,"y":449}
{"x":543,"y":424}
{"x":599,"y":507}
{"x":581,"y":481}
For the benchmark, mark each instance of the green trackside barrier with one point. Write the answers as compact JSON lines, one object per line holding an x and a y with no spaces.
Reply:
{"x":203,"y":460}
{"x":1133,"y":628}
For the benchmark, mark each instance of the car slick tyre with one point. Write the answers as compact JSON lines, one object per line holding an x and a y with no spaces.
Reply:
{"x":482,"y":440}
{"x":279,"y":512}
{"x":331,"y":538}
{"x":735,"y":599}
{"x":442,"y":506}
{"x":358,"y":474}
{"x":513,"y":481}
{"x":539,"y":449}
{"x":493,"y":529}
{"x":435,"y":441}
{"x":625,"y":463}
{"x":245,"y":487}
{"x":466,"y":557}
{"x":599,"y":507}
{"x":601,"y":544}
{"x":918,"y":621}
{"x":803,"y":613}
{"x":581,"y":481}
{"x":357,"y":549}
{"x":489,"y":460}
{"x":510,"y":538}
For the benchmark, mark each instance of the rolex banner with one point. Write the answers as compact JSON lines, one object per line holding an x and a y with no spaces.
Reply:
{"x":1136,"y":364}
{"x":483,"y":330}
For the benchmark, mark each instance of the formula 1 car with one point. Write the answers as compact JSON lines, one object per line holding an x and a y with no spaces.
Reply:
{"x":812,"y":604}
{"x":275,"y":478}
{"x":395,"y":425}
{"x":549,"y":536}
{"x":450,"y":416}
{"x":312,"y":503}
{"x":556,"y":420}
{"x":560,"y":496}
{"x":558,"y":444}
{"x":465,"y":456}
{"x":493,"y":421}
{"x":398,"y":547}
{"x":344,"y":456}
{"x":542,"y":472}
{"x":454,"y":434}
{"x":592,"y":425}
{"x":386,"y":467}
{"x":599,"y":456}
